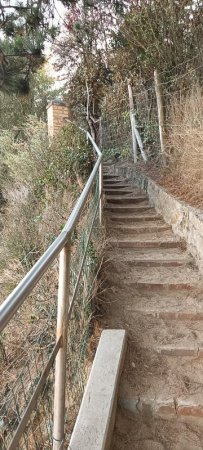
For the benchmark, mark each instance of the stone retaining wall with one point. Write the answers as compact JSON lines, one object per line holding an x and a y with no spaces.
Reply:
{"x":186,"y":221}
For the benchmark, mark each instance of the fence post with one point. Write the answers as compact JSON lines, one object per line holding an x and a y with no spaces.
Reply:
{"x":100,"y":192}
{"x":100,"y":175}
{"x":131,"y":103}
{"x":138,"y":138}
{"x":100,"y":134}
{"x":60,"y":366}
{"x":160,"y":106}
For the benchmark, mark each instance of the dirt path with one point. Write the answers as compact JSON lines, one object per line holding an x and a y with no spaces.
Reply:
{"x":155,"y":293}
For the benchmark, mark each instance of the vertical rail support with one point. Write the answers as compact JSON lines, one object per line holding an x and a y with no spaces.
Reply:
{"x":60,"y":367}
{"x":100,"y":134}
{"x":101,"y":192}
{"x":131,"y":104}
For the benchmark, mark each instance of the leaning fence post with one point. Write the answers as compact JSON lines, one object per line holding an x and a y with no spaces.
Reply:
{"x":138,"y":138}
{"x":100,"y":192}
{"x":60,"y":366}
{"x":131,"y":103}
{"x":160,"y":106}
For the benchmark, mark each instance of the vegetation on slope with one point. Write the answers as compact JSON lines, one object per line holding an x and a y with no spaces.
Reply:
{"x":40,"y":182}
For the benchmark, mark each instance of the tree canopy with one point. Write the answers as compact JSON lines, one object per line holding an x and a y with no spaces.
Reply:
{"x":25,"y":27}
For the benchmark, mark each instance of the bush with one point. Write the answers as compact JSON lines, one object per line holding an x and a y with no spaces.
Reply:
{"x":39,"y":181}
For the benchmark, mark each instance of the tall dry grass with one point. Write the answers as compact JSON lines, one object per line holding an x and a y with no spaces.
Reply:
{"x":185,"y":145}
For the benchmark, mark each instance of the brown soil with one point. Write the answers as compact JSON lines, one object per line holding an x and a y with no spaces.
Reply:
{"x":148,"y":374}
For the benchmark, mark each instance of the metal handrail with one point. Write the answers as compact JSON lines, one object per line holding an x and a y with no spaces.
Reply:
{"x":61,"y":246}
{"x":13,"y":302}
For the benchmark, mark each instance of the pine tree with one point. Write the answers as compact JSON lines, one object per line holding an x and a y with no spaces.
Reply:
{"x":24,"y":28}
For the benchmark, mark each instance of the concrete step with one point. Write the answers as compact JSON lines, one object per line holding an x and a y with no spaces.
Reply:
{"x":172,"y":306}
{"x":165,"y":235}
{"x":156,"y":263}
{"x":155,"y":279}
{"x":129,"y":243}
{"x":194,"y":351}
{"x":164,"y":274}
{"x":126,"y":200}
{"x":129,"y":254}
{"x":106,"y":176}
{"x":116,"y":191}
{"x":151,"y":257}
{"x":164,"y":336}
{"x":130,"y":209}
{"x":172,"y":314}
{"x":116,"y":185}
{"x":186,"y":315}
{"x":173,"y":408}
{"x":162,"y":286}
{"x":133,"y":219}
{"x":150,"y":432}
{"x":163,"y":278}
{"x":131,"y":229}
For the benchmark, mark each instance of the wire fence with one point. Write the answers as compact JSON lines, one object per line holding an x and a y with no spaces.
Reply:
{"x":28,"y":348}
{"x":116,"y":124}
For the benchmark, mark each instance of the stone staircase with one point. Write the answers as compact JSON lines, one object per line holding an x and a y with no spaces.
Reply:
{"x":154,"y":291}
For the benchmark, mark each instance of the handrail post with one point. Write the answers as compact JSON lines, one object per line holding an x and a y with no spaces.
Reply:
{"x":101,"y":192}
{"x":60,"y":366}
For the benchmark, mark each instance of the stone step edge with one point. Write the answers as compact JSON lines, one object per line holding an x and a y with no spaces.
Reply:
{"x":141,"y":230}
{"x":175,"y":407}
{"x":161,"y":286}
{"x":117,"y":191}
{"x":118,"y":185}
{"x":156,"y":262}
{"x":195,"y":352}
{"x":171,"y":315}
{"x":146,"y":244}
{"x":127,"y":208}
{"x":132,"y":219}
{"x":109,"y":175}
{"x":121,"y":199}
{"x":113,"y":180}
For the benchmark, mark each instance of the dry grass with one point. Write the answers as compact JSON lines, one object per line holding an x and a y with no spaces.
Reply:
{"x":185,"y":144}
{"x":182,"y":175}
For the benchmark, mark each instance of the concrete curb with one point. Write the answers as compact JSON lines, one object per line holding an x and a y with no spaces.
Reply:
{"x":95,"y":421}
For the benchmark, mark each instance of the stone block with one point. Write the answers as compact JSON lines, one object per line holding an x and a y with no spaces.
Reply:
{"x":96,"y":417}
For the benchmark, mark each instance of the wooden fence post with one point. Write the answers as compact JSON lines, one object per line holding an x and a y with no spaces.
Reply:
{"x":60,"y":365}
